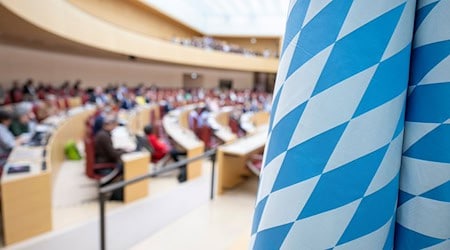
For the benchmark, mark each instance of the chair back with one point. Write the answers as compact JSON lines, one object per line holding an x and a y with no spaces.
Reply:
{"x":162,"y":110}
{"x":205,"y":134}
{"x":17,"y":96}
{"x":89,"y":127}
{"x":234,"y":126}
{"x":90,"y":156}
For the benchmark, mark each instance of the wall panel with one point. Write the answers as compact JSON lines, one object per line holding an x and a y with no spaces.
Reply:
{"x":54,"y":67}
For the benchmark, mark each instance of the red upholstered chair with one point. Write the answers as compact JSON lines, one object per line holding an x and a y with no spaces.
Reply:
{"x":41,"y":94}
{"x":255,"y":163}
{"x":162,"y":110}
{"x":84,"y":98}
{"x":91,"y":166}
{"x":7,"y":100}
{"x":205,"y":134}
{"x":89,"y":126}
{"x":234,"y":126}
{"x":17,"y":96}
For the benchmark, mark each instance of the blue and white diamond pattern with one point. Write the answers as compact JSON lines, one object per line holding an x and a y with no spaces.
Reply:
{"x":331,"y":167}
{"x":423,"y":215}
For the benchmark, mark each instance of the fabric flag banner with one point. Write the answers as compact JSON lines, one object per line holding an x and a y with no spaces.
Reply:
{"x":423,"y":216}
{"x":331,"y":165}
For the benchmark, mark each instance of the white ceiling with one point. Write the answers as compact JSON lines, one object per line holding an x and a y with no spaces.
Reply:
{"x":228,"y":17}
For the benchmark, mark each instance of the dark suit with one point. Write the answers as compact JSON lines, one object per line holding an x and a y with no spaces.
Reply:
{"x":104,"y":150}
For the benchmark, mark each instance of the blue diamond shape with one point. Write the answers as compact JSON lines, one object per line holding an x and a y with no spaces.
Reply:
{"x":344,"y":184}
{"x":319,"y":33}
{"x":440,"y":193}
{"x":308,"y":158}
{"x":406,"y":239}
{"x":389,"y":81}
{"x":271,"y":239}
{"x":429,"y":103}
{"x":282,"y":133}
{"x":426,"y":57}
{"x":258,"y":214}
{"x":373,"y":212}
{"x":359,"y":50}
{"x":295,"y":21}
{"x":434,"y":146}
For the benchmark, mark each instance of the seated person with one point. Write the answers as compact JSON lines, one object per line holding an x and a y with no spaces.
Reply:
{"x":128,"y":101}
{"x":106,"y":153}
{"x":161,"y":149}
{"x":23,"y":121}
{"x":203,"y":117}
{"x":194,"y":118}
{"x":47,"y":108}
{"x":98,"y":120}
{"x":104,"y":149}
{"x":7,"y":140}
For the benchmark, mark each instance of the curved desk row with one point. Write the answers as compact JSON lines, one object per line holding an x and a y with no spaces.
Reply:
{"x":220,"y":121}
{"x":232,"y":157}
{"x":175,"y":124}
{"x":250,"y":121}
{"x":27,"y":197}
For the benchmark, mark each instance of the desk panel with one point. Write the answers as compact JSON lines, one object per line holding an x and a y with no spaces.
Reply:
{"x":27,"y":198}
{"x":232,"y":159}
{"x":136,"y":164}
{"x":185,"y":138}
{"x":71,"y":128}
{"x":260,"y":118}
{"x":194,"y":169}
{"x":26,"y":207}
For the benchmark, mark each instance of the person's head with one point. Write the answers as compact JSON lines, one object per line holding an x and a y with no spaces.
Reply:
{"x":24,"y":112}
{"x":109,"y":122}
{"x":5,"y":117}
{"x":148,"y":129}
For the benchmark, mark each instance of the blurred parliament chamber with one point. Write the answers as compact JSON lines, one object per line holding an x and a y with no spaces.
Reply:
{"x":130,"y":50}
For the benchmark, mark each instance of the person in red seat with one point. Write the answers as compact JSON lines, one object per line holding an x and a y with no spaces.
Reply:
{"x":162,"y":149}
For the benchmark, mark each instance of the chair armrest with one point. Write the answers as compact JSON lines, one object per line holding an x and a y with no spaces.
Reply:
{"x":104,"y":165}
{"x":108,"y":178}
{"x":257,"y":157}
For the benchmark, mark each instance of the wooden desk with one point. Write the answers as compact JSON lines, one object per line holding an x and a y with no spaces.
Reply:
{"x":251,"y":121}
{"x":232,"y":159}
{"x":26,"y":197}
{"x":186,"y":139}
{"x":135,"y":164}
{"x":74,"y":102}
{"x":219,"y":121}
{"x":260,"y":118}
{"x":182,"y":114}
{"x":70,"y":127}
{"x":139,"y":117}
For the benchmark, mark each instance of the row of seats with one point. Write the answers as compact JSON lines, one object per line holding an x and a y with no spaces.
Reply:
{"x":93,"y":169}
